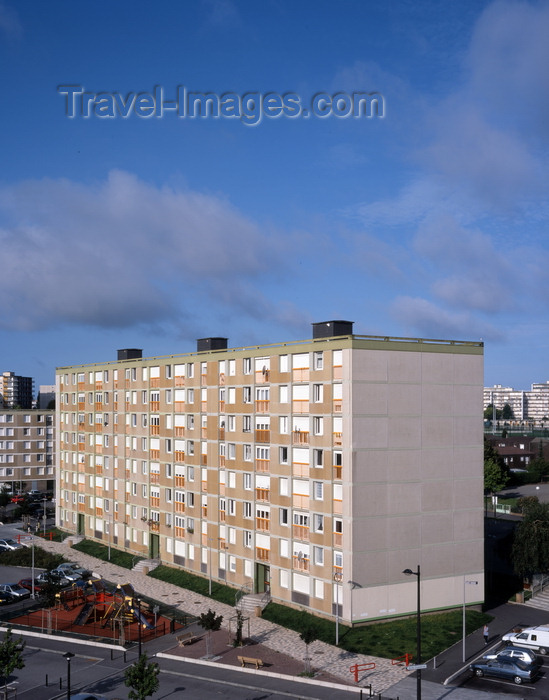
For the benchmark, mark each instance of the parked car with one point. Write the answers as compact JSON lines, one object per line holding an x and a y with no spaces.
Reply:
{"x":14,"y":589}
{"x":535,"y":638}
{"x":27,"y":583}
{"x":54,"y":577}
{"x":36,"y":495}
{"x":507,"y":669}
{"x":6,"y":598}
{"x":19,"y":498}
{"x":527,"y":656}
{"x":88,"y":696}
{"x":67,"y":573}
{"x":10,"y":544}
{"x":72,"y":567}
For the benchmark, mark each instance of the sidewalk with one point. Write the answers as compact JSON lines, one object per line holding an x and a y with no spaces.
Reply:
{"x":331,"y":662}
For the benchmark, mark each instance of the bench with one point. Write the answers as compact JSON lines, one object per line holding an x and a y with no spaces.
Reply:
{"x":187,"y":638}
{"x":248,"y":660}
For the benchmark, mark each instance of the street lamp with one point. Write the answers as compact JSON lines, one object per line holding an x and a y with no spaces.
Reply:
{"x":68,"y":655}
{"x":337,"y":580}
{"x":409,"y":572}
{"x":472,"y":583}
{"x":32,"y":561}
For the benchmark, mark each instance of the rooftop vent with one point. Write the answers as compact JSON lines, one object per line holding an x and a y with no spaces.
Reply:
{"x":327,"y":329}
{"x":130,"y":354}
{"x":205,"y":344}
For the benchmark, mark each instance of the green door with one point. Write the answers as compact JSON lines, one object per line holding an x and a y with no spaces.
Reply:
{"x":154,"y":546}
{"x":81,"y":525}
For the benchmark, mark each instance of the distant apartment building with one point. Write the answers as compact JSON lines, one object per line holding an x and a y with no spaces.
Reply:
{"x":530,"y":405}
{"x":27,"y":444}
{"x":316,"y":471}
{"x":17,"y":392}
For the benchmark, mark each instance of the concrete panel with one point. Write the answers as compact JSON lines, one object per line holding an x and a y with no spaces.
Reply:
{"x":370,"y":535}
{"x":370,"y":399}
{"x":437,"y":464}
{"x":469,"y":369}
{"x":404,"y":432}
{"x":404,"y":399}
{"x":437,"y":431}
{"x":437,"y":528}
{"x":468,"y":431}
{"x":404,"y":532}
{"x":437,"y":368}
{"x":370,"y":499}
{"x":403,"y":367}
{"x":370,"y":465}
{"x":437,"y":495}
{"x":469,"y":493}
{"x":404,"y":465}
{"x":370,"y":366}
{"x":437,"y":560}
{"x":369,"y":432}
{"x":404,"y":498}
{"x":437,"y":400}
{"x":468,"y":525}
{"x":371,"y":570}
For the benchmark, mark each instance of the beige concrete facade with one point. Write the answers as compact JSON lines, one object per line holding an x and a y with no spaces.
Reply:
{"x":297,"y":467}
{"x":27,"y":444}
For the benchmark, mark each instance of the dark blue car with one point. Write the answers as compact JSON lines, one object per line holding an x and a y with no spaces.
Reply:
{"x":506,"y":669}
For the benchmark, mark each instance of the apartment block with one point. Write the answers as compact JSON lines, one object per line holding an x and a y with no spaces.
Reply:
{"x":315,"y":470}
{"x":16,"y":391}
{"x":530,"y":405}
{"x":27,"y":444}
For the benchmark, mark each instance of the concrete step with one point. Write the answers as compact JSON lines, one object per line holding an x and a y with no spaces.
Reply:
{"x":146,"y":564}
{"x":248,"y":603}
{"x":539,"y":601}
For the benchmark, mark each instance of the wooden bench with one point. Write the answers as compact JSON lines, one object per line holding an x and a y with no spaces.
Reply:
{"x":248,"y":660}
{"x":187,"y":638}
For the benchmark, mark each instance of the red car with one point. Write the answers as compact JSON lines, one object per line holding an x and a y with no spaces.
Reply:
{"x":27,"y":583}
{"x":17,"y":499}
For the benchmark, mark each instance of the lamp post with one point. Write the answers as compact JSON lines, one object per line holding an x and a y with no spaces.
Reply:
{"x":409,"y":572}
{"x":337,"y":580}
{"x":32,"y":561}
{"x":139,"y":616}
{"x":472,"y":583}
{"x":68,"y":655}
{"x":44,"y":518}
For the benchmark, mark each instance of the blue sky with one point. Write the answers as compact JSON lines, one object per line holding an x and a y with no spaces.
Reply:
{"x":151,"y":232}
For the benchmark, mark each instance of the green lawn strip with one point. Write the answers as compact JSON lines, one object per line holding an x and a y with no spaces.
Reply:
{"x":196,"y":584}
{"x":388,"y":640}
{"x":101,"y":551}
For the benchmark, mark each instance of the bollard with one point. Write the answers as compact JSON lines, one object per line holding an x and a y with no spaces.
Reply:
{"x":46,"y":680}
{"x":60,"y":683}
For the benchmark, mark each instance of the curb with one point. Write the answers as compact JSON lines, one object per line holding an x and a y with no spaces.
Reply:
{"x":257,"y":672}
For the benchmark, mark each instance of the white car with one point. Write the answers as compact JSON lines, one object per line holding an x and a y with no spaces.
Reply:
{"x":516,"y":653}
{"x":14,"y":589}
{"x":10,"y":544}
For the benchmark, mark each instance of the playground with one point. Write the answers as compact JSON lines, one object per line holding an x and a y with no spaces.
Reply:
{"x":94,"y":609}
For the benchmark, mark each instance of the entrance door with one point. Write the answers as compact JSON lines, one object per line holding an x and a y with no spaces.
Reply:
{"x":262,"y":578}
{"x":154,"y":546}
{"x":81,"y":524}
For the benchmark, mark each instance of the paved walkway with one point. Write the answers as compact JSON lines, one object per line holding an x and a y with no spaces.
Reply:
{"x":329,"y":659}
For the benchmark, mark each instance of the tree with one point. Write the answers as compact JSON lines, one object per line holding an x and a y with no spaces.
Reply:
{"x":308,"y":635}
{"x":211,"y":623}
{"x":530,"y":550}
{"x":142,"y":678}
{"x":507,"y":412}
{"x":496,"y":477}
{"x":11,"y":657}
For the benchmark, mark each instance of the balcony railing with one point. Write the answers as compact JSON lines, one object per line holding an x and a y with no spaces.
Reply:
{"x":262,"y":554}
{"x":262,"y":494}
{"x":300,"y":437}
{"x":301,"y":532}
{"x":262,"y":435}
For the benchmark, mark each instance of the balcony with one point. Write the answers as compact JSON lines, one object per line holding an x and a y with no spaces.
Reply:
{"x":155,"y":501}
{"x":179,"y":480}
{"x":300,"y":469}
{"x":300,"y":437}
{"x":180,"y":532}
{"x":338,"y":405}
{"x":179,"y":431}
{"x":262,"y":524}
{"x":179,"y":381}
{"x":301,"y":532}
{"x":338,"y":472}
{"x":154,"y":525}
{"x":301,"y":374}
{"x":338,"y":539}
{"x":179,"y":456}
{"x":262,"y":405}
{"x":155,"y":430}
{"x":301,"y":564}
{"x":155,"y":477}
{"x":179,"y":507}
{"x":338,"y":439}
{"x":154,"y":454}
{"x":262,"y":494}
{"x":300,"y":405}
{"x":262,"y":435}
{"x":262,"y":465}
{"x":262,"y":554}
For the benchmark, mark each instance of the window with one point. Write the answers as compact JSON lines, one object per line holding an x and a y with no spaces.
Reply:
{"x":247,"y":453}
{"x":247,"y":538}
{"x":318,"y":360}
{"x":284,"y":486}
{"x":283,"y":425}
{"x":318,"y":522}
{"x":318,"y":425}
{"x":283,"y":363}
{"x":318,"y":556}
{"x":247,"y":481}
{"x":318,"y":458}
{"x":246,"y":424}
{"x":283,"y":393}
{"x":318,"y":490}
{"x":283,"y":455}
{"x":318,"y":393}
{"x":247,"y":512}
{"x":231,"y":503}
{"x":247,"y":365}
{"x":231,"y":424}
{"x":247,"y":394}
{"x":283,"y":516}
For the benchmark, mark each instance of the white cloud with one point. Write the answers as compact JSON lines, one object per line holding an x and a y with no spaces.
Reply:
{"x":121,"y":252}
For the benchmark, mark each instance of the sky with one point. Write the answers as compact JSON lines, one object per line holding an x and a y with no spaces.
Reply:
{"x":380,"y":162}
